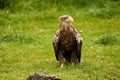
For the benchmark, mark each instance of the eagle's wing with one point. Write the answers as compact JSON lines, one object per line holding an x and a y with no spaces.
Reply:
{"x":56,"y":43}
{"x":79,"y":45}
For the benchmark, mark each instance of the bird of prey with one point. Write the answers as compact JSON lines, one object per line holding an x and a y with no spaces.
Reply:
{"x":67,"y":42}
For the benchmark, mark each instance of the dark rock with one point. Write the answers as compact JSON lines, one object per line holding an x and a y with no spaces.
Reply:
{"x":42,"y":76}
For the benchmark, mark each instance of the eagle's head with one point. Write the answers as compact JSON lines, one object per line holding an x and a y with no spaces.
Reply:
{"x":65,"y":20}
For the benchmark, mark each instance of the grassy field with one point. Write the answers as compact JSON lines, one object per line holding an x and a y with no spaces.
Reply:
{"x":26,"y":43}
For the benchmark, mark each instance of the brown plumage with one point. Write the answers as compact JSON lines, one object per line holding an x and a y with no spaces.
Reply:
{"x":67,"y":42}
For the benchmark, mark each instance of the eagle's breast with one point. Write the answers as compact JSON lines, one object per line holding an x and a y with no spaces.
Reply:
{"x":67,"y":39}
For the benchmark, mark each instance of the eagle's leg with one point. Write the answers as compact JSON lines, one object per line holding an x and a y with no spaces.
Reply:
{"x":61,"y":58}
{"x":73,"y":57}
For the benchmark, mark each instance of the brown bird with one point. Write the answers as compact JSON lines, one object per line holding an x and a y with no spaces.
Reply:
{"x":67,"y":42}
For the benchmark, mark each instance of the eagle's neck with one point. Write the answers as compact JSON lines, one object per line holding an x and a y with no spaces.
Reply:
{"x":65,"y":25}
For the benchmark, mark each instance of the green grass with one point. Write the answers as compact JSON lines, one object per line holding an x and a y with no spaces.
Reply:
{"x":26,"y":43}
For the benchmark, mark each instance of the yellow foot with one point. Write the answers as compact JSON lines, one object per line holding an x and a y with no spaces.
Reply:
{"x":73,"y":64}
{"x":62,"y":65}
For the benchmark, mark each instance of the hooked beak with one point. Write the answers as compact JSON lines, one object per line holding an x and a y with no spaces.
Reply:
{"x":69,"y":19}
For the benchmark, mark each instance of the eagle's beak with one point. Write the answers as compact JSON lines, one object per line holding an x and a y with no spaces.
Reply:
{"x":70,"y":19}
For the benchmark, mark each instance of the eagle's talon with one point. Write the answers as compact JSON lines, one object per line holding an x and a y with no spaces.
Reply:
{"x":62,"y":65}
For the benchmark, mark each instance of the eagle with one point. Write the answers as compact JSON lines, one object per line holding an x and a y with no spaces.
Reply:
{"x":67,"y":42}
